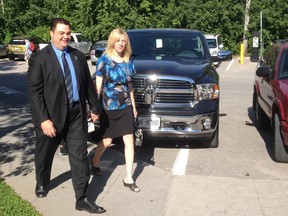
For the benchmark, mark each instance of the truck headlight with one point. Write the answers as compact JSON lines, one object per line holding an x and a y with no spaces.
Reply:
{"x":207,"y":91}
{"x":207,"y":122}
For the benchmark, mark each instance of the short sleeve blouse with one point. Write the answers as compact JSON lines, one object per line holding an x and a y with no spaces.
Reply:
{"x":116,"y":76}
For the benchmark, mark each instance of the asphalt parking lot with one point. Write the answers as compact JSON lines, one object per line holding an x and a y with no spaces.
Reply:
{"x":237,"y":178}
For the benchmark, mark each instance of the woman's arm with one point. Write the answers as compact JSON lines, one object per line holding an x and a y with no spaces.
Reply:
{"x":132,"y":99}
{"x":99,"y":81}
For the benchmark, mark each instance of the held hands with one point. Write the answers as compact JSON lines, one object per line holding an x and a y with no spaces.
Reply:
{"x":94,"y":117}
{"x":48,"y":128}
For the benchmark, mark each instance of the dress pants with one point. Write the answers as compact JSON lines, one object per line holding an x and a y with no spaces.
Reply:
{"x":75,"y":138}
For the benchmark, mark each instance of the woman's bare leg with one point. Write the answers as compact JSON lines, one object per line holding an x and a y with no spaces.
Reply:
{"x":101,"y":147}
{"x":129,"y":157}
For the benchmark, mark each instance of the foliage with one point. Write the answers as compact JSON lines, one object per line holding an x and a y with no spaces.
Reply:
{"x":96,"y":19}
{"x":274,"y":19}
{"x":41,"y":31}
{"x":12,"y":204}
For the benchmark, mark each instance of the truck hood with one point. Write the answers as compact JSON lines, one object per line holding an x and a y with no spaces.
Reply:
{"x":198,"y":70}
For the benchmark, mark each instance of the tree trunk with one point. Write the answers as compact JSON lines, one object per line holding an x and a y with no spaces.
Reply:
{"x":2,"y":6}
{"x":246,"y":23}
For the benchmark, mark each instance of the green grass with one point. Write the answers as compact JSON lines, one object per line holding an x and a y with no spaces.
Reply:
{"x":11,"y":204}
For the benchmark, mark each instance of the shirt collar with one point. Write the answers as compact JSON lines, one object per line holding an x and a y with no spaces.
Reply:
{"x":59,"y":52}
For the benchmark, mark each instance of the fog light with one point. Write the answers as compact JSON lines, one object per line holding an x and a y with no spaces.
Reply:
{"x":207,"y":123}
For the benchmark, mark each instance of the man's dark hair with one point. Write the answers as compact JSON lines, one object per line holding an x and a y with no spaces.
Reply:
{"x":56,"y":21}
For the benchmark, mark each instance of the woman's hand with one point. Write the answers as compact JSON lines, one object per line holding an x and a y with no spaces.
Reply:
{"x":135,"y":112}
{"x":94,"y":117}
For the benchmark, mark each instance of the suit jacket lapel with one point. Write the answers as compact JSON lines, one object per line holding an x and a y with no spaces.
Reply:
{"x":57,"y":70}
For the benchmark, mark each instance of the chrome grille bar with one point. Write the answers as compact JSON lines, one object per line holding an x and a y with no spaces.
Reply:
{"x":165,"y":89}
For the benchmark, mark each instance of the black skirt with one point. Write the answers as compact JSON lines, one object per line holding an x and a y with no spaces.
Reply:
{"x":117,"y":123}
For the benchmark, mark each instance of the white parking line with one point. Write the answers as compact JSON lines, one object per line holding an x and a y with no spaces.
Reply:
{"x":230,"y":64}
{"x":180,"y":163}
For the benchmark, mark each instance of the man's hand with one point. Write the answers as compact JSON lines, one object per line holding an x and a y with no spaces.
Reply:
{"x":94,"y":117}
{"x":48,"y":128}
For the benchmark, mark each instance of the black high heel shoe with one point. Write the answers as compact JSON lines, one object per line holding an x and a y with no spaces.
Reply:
{"x":133,"y":187}
{"x":95,"y":171}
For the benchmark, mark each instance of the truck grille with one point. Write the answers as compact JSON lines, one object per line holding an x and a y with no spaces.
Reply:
{"x":163,"y":90}
{"x":174,"y":98}
{"x":173,"y":84}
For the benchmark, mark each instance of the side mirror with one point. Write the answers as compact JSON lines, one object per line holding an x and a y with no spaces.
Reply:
{"x":264,"y":71}
{"x":221,"y":46}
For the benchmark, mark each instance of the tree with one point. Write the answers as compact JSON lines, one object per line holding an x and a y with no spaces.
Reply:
{"x":95,"y":19}
{"x":246,"y":23}
{"x":274,"y":19}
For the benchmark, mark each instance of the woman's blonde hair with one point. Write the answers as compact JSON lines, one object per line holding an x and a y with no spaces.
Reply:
{"x":113,"y":38}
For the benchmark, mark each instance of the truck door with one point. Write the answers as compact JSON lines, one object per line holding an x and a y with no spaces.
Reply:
{"x":84,"y":45}
{"x":80,"y":43}
{"x":267,"y":93}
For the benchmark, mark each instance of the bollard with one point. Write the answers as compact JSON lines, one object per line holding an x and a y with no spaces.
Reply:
{"x":241,"y":53}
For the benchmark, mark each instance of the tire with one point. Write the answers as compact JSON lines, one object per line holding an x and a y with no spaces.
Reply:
{"x":11,"y":58}
{"x":254,"y":101}
{"x":262,"y":121}
{"x":280,"y":151}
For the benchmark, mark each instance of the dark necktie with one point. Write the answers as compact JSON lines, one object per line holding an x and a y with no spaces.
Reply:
{"x":68,"y":80}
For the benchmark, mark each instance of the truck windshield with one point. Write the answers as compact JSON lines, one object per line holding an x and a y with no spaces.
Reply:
{"x":173,"y":45}
{"x":212,"y":43}
{"x":283,"y":67}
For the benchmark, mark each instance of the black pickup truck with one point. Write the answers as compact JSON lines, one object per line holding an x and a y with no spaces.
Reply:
{"x":176,"y":86}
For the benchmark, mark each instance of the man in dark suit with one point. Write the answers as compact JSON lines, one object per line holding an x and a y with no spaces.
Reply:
{"x":59,"y":84}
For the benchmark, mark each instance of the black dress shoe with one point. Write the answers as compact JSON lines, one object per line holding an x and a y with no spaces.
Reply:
{"x":85,"y":204}
{"x":40,"y":191}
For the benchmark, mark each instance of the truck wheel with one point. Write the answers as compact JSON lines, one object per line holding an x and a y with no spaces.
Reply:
{"x":254,"y":100}
{"x":280,"y":151}
{"x":262,"y":121}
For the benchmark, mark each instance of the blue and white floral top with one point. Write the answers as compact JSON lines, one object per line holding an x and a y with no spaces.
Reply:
{"x":116,"y":76}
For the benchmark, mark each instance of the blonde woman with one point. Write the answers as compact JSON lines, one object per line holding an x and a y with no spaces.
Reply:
{"x":114,"y":74}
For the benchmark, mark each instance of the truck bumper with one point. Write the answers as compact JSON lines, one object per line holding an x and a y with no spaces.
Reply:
{"x":15,"y":55}
{"x":200,"y":126}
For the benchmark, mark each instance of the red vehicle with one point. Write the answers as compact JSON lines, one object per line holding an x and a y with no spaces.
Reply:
{"x":270,"y":97}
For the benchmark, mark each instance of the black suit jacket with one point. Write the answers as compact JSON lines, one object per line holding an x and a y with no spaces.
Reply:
{"x":47,"y":91}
